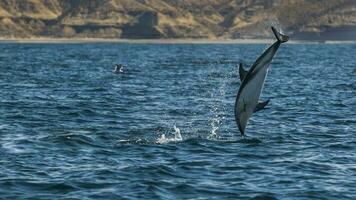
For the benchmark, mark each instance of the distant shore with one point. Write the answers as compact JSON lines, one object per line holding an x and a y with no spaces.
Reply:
{"x":163,"y":41}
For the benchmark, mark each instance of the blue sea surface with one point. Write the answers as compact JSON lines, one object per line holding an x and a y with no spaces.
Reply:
{"x":71,"y":128}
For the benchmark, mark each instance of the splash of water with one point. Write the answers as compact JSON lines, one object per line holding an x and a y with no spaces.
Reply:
{"x":217,"y":108}
{"x":177,"y":137}
{"x":214,"y":125}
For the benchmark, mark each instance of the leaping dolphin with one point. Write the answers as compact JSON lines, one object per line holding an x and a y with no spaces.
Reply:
{"x":252,"y":82}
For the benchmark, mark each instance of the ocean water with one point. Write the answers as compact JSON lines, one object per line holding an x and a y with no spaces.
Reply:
{"x":71,"y":128}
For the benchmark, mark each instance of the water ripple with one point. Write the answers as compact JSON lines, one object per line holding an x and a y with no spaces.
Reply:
{"x":164,"y":129}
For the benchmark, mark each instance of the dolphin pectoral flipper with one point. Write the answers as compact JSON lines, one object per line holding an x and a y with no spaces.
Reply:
{"x":261,"y":105}
{"x":242,"y":72}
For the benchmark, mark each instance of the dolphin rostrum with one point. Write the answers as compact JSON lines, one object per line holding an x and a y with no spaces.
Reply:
{"x":252,"y":82}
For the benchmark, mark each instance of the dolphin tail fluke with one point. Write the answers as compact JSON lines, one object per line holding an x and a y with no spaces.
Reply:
{"x":242,"y":72}
{"x":261,"y":106}
{"x":280,"y":37}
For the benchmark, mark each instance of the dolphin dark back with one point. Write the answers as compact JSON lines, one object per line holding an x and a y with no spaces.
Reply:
{"x":253,"y":70}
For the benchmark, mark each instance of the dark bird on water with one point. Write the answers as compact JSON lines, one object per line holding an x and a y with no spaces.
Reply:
{"x":119,"y":68}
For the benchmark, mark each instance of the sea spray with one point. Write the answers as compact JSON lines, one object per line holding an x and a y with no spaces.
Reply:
{"x":177,"y":137}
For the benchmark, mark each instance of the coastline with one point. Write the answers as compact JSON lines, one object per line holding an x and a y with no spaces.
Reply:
{"x":41,"y":40}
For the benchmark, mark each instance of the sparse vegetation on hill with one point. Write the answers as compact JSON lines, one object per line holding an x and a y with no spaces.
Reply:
{"x":303,"y":19}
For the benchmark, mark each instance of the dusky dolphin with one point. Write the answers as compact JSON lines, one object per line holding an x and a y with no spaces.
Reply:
{"x":252,"y":82}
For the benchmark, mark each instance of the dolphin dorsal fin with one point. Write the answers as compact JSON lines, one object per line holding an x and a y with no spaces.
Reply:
{"x":242,"y":72}
{"x":261,"y":105}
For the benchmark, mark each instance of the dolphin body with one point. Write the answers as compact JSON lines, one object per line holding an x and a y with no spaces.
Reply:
{"x":252,"y":84}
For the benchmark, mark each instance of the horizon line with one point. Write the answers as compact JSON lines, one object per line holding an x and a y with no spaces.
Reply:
{"x":164,"y":41}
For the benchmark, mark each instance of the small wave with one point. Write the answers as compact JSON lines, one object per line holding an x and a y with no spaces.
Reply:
{"x":13,"y":143}
{"x":177,"y":137}
{"x":353,"y":71}
{"x":12,"y":147}
{"x":138,"y":141}
{"x":77,"y":138}
{"x":264,"y":197}
{"x":251,"y":141}
{"x":340,"y":146}
{"x":3,"y":126}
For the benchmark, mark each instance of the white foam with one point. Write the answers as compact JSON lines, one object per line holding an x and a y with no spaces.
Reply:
{"x":177,"y":137}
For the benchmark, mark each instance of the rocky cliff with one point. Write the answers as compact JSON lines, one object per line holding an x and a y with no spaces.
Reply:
{"x":303,"y":19}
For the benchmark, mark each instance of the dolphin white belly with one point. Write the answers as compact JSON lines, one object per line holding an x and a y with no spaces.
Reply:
{"x":248,"y":98}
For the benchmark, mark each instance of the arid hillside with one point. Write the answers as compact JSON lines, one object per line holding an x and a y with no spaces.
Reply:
{"x":302,"y":19}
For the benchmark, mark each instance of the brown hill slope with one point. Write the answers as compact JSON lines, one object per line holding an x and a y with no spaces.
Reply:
{"x":305,"y":19}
